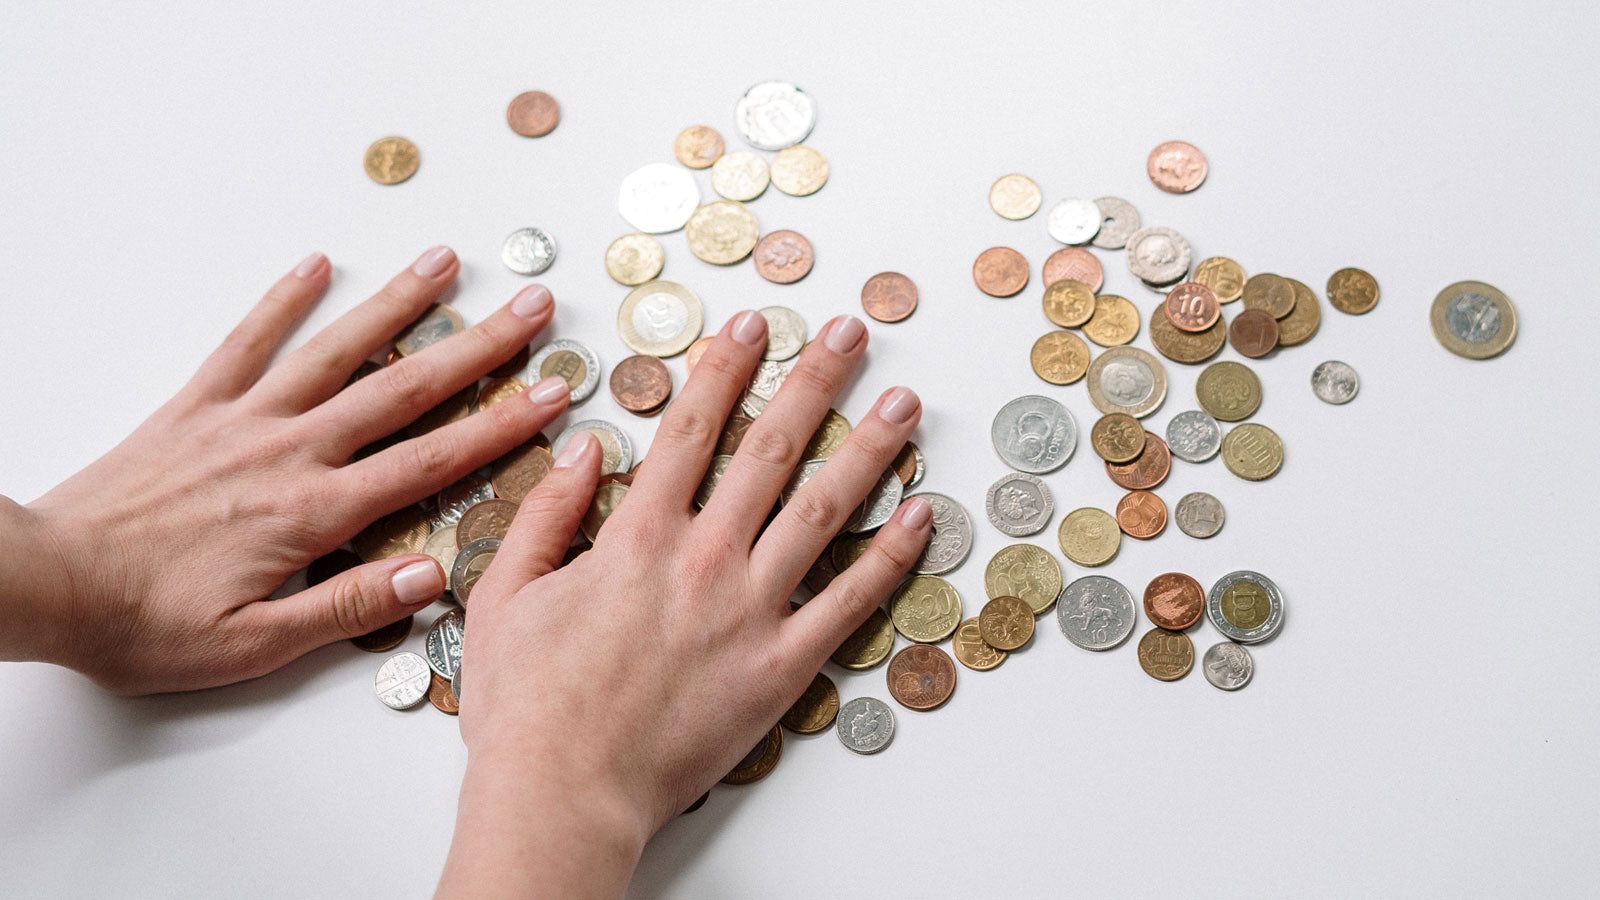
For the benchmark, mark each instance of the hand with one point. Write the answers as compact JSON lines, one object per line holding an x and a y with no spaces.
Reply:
{"x":602,"y":697}
{"x":147,"y":570}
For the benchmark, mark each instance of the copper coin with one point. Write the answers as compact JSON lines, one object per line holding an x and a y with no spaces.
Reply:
{"x":382,"y":640}
{"x":1000,"y":271}
{"x":695,"y":351}
{"x":1270,"y":292}
{"x":1352,"y":291}
{"x":486,"y":518}
{"x":1166,"y":655}
{"x":698,"y":146}
{"x":1253,"y":333}
{"x":905,"y":463}
{"x":1174,"y":601}
{"x":1141,"y":515}
{"x":1193,"y":307}
{"x":1176,"y":167}
{"x":889,"y":297}
{"x":1148,"y":470}
{"x":533,"y":113}
{"x":517,"y":473}
{"x":640,"y":384}
{"x":921,"y":677}
{"x":1075,"y":263}
{"x":1006,"y":623}
{"x":783,"y":257}
{"x":514,"y":365}
{"x":440,"y":695}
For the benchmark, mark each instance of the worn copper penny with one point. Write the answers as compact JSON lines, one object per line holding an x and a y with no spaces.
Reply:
{"x":1006,"y":623}
{"x":695,"y":351}
{"x":486,"y":518}
{"x":889,"y":297}
{"x":783,"y":257}
{"x":1000,"y":271}
{"x":816,"y":708}
{"x":1193,"y":307}
{"x":440,"y":695}
{"x":533,"y":113}
{"x":1177,"y":167}
{"x":1117,"y":438}
{"x":1174,"y":601}
{"x":1253,"y":333}
{"x":1075,"y":263}
{"x":1141,"y":515}
{"x":382,"y":640}
{"x":1148,"y":470}
{"x":921,"y":677}
{"x":697,"y":146}
{"x":641,"y":384}
{"x":1166,"y":655}
{"x":517,"y":473}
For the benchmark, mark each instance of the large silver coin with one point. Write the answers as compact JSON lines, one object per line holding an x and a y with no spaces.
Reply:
{"x":402,"y":681}
{"x":774,"y":114}
{"x":1228,"y":666}
{"x":1193,"y":436}
{"x":1074,"y":221}
{"x":1034,"y":434}
{"x":1019,"y":504}
{"x":470,"y":565}
{"x":786,"y":332}
{"x":951,"y":538}
{"x":865,"y":725}
{"x":444,"y":643}
{"x":1118,"y":221}
{"x":455,"y":683}
{"x":528,"y":251}
{"x":616,"y":451}
{"x":764,"y":385}
{"x":1127,"y":380}
{"x":708,"y":484}
{"x":658,"y":198}
{"x":1199,"y":514}
{"x":1095,"y":612}
{"x":1335,"y":382}
{"x":1245,"y":606}
{"x":1158,"y":255}
{"x":879,"y":505}
{"x":660,"y":318}
{"x":534,"y":370}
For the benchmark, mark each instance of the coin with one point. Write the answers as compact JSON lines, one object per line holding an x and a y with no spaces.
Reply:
{"x":641,"y":384}
{"x":1166,"y":655}
{"x":1176,"y":167}
{"x":1182,"y":346}
{"x":1074,"y":221}
{"x":822,"y":572}
{"x":1254,"y":333}
{"x":722,"y":232}
{"x":816,"y":708}
{"x":919,"y":467}
{"x":1473,"y":320}
{"x":1068,"y":303}
{"x":486,"y":518}
{"x":1194,"y":436}
{"x":658,"y":198}
{"x":520,"y":471}
{"x":1158,"y":255}
{"x":528,"y":251}
{"x":1302,"y":321}
{"x":499,"y":390}
{"x":1089,"y":536}
{"x":441,"y":697}
{"x":783,"y":257}
{"x":1223,"y":276}
{"x":391,"y":160}
{"x":569,"y":360}
{"x":1006,"y":623}
{"x":786,"y":332}
{"x":533,"y":113}
{"x":740,"y":175}
{"x":457,"y":498}
{"x":634,"y":258}
{"x":925,"y":608}
{"x":1034,"y":434}
{"x":1192,"y":307}
{"x":760,"y":761}
{"x":828,"y":438}
{"x":950,"y":539}
{"x":1000,"y":271}
{"x":1352,"y":291}
{"x":970,"y":650}
{"x":660,"y":318}
{"x":889,"y":297}
{"x":385,"y":638}
{"x":905,"y":463}
{"x":1198,"y":514}
{"x":607,"y":497}
{"x":1334,"y":382}
{"x":445,"y":637}
{"x":400,"y":532}
{"x":1127,"y":380}
{"x":697,"y":146}
{"x":1245,"y":606}
{"x":441,"y":545}
{"x":1228,"y":391}
{"x":402,"y":681}
{"x":1015,"y":196}
{"x":696,"y":804}
{"x":922,"y":677}
{"x":1174,"y":601}
{"x":1026,"y":571}
{"x":774,"y":114}
{"x":453,"y":408}
{"x":1142,"y":515}
{"x":1118,"y":220}
{"x":799,"y":170}
{"x":879,"y":505}
{"x":1271,"y":293}
{"x":847,"y":548}
{"x":1147,"y":470}
{"x":1095,"y":612}
{"x":1075,"y":263}
{"x":1115,"y":321}
{"x":708,"y":484}
{"x":616,"y":451}
{"x":1252,"y":452}
{"x":869,"y":644}
{"x":1228,"y":666}
{"x":439,"y":322}
{"x":1117,"y":438}
{"x":1019,"y":504}
{"x":865,"y":725}
{"x":1059,"y":357}
{"x":695,"y":351}
{"x":764,"y":384}
{"x":802,"y":474}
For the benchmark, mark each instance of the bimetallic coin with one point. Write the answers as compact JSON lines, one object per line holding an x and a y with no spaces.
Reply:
{"x":1114,"y":323}
{"x":740,"y":175}
{"x":866,"y":725}
{"x":1142,"y":515}
{"x":1059,"y":357}
{"x":1223,"y":276}
{"x":1192,"y":307}
{"x":925,"y":608}
{"x":1185,"y":347}
{"x":1254,"y":333}
{"x":1194,"y":436}
{"x":1252,"y":452}
{"x":1074,"y":221}
{"x":1270,"y":293}
{"x":443,"y":646}
{"x":1228,"y":391}
{"x":1118,"y":221}
{"x":889,"y":297}
{"x":1015,"y":196}
{"x":533,"y":113}
{"x":566,"y":359}
{"x":660,"y":318}
{"x":1166,"y":655}
{"x":528,"y":251}
{"x":520,"y":471}
{"x":455,"y":499}
{"x":402,"y":681}
{"x":774,"y":114}
{"x":759,"y":762}
{"x":799,"y":171}
{"x":403,"y":531}
{"x":391,"y":160}
{"x":922,"y":677}
{"x":879,"y":505}
{"x":658,"y":198}
{"x":439,"y":322}
{"x":1176,"y":167}
{"x":1228,"y":666}
{"x":783,"y":257}
{"x":1096,"y":612}
{"x":1147,"y":470}
{"x":1068,"y":303}
{"x":641,"y":384}
{"x":950,"y":540}
{"x":1335,"y":382}
{"x":1117,"y":438}
{"x":1303,"y":321}
{"x":708,"y":484}
{"x":1245,"y":606}
{"x":786,"y":332}
{"x":1199,"y":514}
{"x":1006,"y":623}
{"x":470,"y":564}
{"x":1089,"y":536}
{"x":1025,"y":571}
{"x":1174,"y":601}
{"x":385,"y":638}
{"x":697,"y":146}
{"x":634,"y":259}
{"x":816,"y":708}
{"x":1473,"y":320}
{"x":1034,"y":434}
{"x":484,"y":519}
{"x":1075,"y":263}
{"x":1352,"y":291}
{"x":1127,"y":380}
{"x":616,"y":451}
{"x":722,"y":233}
{"x":1000,"y":271}
{"x":971,"y":651}
{"x":1019,"y":504}
{"x":1158,"y":255}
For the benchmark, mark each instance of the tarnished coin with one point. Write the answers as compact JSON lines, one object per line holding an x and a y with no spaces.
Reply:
{"x":1006,"y":623}
{"x":922,"y":677}
{"x":1089,"y":536}
{"x":829,"y":437}
{"x":1194,"y":436}
{"x":1075,"y":263}
{"x":1245,"y":606}
{"x":1019,"y":504}
{"x":1228,"y":391}
{"x":402,"y":681}
{"x":1118,"y":221}
{"x":568,"y":360}
{"x":1473,"y":320}
{"x":1303,"y":321}
{"x":641,"y":384}
{"x":1127,"y":380}
{"x":847,"y":548}
{"x":1059,"y":357}
{"x":1158,"y":255}
{"x":1270,"y":293}
{"x":439,"y":322}
{"x":1176,"y":167}
{"x":400,"y":532}
{"x":533,"y":113}
{"x":1147,"y":470}
{"x":616,"y":450}
{"x":1254,"y":333}
{"x":455,"y":499}
{"x":470,"y":564}
{"x":608,"y":495}
{"x":485,"y":519}
{"x":1142,"y":515}
{"x":866,"y":725}
{"x":517,"y":473}
{"x":740,"y":175}
{"x":441,"y":545}
{"x":499,"y":390}
{"x":760,"y":761}
{"x":951,"y":538}
{"x":774,"y":114}
{"x":697,"y":146}
{"x":879,"y":505}
{"x":1068,"y":303}
{"x":440,"y":695}
{"x":1174,"y":601}
{"x":971,"y":650}
{"x":1334,"y":382}
{"x":391,"y":160}
{"x":1015,"y":196}
{"x":1223,"y":276}
{"x":1228,"y":666}
{"x":783,"y":257}
{"x":1114,"y":323}
{"x":722,"y":232}
{"x":385,"y":638}
{"x":660,"y":318}
{"x":1352,"y":291}
{"x":1000,"y":271}
{"x":925,"y":608}
{"x":1166,"y":655}
{"x":799,"y":170}
{"x":696,"y":350}
{"x":889,"y":297}
{"x":1185,"y":347}
{"x":868,"y":645}
{"x":1096,"y":612}
{"x":528,"y":251}
{"x":708,"y":484}
{"x":1252,"y":452}
{"x":658,"y":198}
{"x":634,"y":259}
{"x":445,"y":637}
{"x":1074,"y":221}
{"x":1199,"y":514}
{"x":1192,"y":307}
{"x":786,"y":332}
{"x":1034,"y":434}
{"x":1117,"y":438}
{"x":1026,"y":571}
{"x":816,"y":708}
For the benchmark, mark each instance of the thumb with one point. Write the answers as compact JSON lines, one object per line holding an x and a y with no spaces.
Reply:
{"x":352,"y":603}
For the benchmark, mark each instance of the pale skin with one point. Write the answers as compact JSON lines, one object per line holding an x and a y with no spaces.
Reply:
{"x":666,"y":651}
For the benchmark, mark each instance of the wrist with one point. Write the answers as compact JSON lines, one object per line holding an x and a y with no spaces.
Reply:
{"x":35,"y":588}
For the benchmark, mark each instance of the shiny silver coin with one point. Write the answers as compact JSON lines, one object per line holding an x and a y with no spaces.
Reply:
{"x":1095,"y":612}
{"x":658,"y":198}
{"x":879,"y":505}
{"x":1228,"y":666}
{"x":708,"y":484}
{"x":534,"y":370}
{"x":1335,"y":382}
{"x":921,"y":468}
{"x":1194,"y":436}
{"x":1074,"y":221}
{"x":786,"y":332}
{"x":528,"y":251}
{"x":454,"y":500}
{"x":455,"y":684}
{"x":616,"y":451}
{"x":444,"y":643}
{"x":470,"y":564}
{"x":773,"y":115}
{"x":1127,"y":380}
{"x":797,"y":480}
{"x":865,"y":725}
{"x":951,"y":538}
{"x":402,"y":680}
{"x":1034,"y":434}
{"x":1158,"y":255}
{"x":1019,"y":504}
{"x":1245,"y":606}
{"x":764,"y":385}
{"x":1118,"y":221}
{"x":1199,"y":515}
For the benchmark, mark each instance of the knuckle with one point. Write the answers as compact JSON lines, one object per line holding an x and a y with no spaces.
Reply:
{"x":816,"y":510}
{"x":406,"y":384}
{"x":351,"y":609}
{"x":719,"y":365}
{"x":491,"y":338}
{"x":689,"y":427}
{"x":812,"y":380}
{"x":897,"y":551}
{"x":875,"y":445}
{"x":774,"y":446}
{"x":851,"y":600}
{"x":431,"y":459}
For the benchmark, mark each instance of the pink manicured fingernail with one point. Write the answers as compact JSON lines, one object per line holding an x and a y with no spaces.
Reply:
{"x":844,"y":333}
{"x":309,"y":266}
{"x":417,"y":583}
{"x":580,"y":444}
{"x":899,"y":405}
{"x":435,"y":261}
{"x":533,"y":300}
{"x":550,"y":391}
{"x":749,"y":327}
{"x":915,"y":513}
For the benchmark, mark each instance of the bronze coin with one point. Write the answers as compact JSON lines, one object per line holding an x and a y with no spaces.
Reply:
{"x":640,"y":384}
{"x":971,"y":650}
{"x":1181,"y":346}
{"x":1075,"y":263}
{"x":533,"y":113}
{"x":1176,"y":167}
{"x":391,"y":160}
{"x":517,"y":473}
{"x":1006,"y":623}
{"x":695,"y":351}
{"x":816,"y":708}
{"x":1270,"y":292}
{"x":889,"y":297}
{"x":400,"y":532}
{"x":921,"y":677}
{"x":1174,"y":601}
{"x":486,"y":518}
{"x":1254,"y":333}
{"x":440,"y":695}
{"x":1166,"y":655}
{"x":905,"y":463}
{"x":1117,"y":438}
{"x":382,"y":640}
{"x":1141,"y":515}
{"x":1352,"y":291}
{"x":514,"y":365}
{"x":1192,"y":307}
{"x":1149,"y":469}
{"x":1000,"y":271}
{"x":760,"y":761}
{"x":1068,"y":302}
{"x":783,"y":257}
{"x":1303,"y":321}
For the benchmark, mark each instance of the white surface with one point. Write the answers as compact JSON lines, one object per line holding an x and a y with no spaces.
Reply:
{"x":1424,"y":725}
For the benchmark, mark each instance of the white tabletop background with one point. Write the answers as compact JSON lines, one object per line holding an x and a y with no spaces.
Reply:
{"x":1424,"y":725}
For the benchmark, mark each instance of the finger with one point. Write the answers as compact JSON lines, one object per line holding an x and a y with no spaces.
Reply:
{"x":681,"y":451}
{"x":823,"y":504}
{"x":386,"y":401}
{"x":320,"y":367}
{"x":542,"y":530}
{"x":235,"y":365}
{"x":771,"y":448}
{"x":347,"y":605}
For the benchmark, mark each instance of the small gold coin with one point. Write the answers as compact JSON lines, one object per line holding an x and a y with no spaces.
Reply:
{"x":970,"y":649}
{"x":1473,"y":319}
{"x":1026,"y":571}
{"x":498,"y":390}
{"x":1269,"y":292}
{"x":1229,"y":391}
{"x":799,"y":170}
{"x":1252,"y":452}
{"x":1089,"y":536}
{"x":848,"y":548}
{"x":1006,"y":623}
{"x":697,"y":147}
{"x":1187,"y":347}
{"x":1166,"y":655}
{"x":1068,"y":303}
{"x":869,"y":644}
{"x":486,"y":518}
{"x":403,"y":531}
{"x":740,"y":175}
{"x":1117,"y":438}
{"x":391,"y":160}
{"x":1302,"y":321}
{"x":760,"y":761}
{"x":1115,"y":321}
{"x":1245,"y":605}
{"x":925,"y":608}
{"x":828,"y":437}
{"x":1224,"y":276}
{"x":1352,"y":291}
{"x":1015,"y":196}
{"x":634,"y":259}
{"x":816,"y":708}
{"x":1059,"y":357}
{"x":722,"y":233}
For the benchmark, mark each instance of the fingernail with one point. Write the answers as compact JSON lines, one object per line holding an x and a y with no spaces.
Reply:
{"x":844,"y":333}
{"x":533,"y":300}
{"x":749,"y":327}
{"x":418,"y":582}
{"x":309,"y":266}
{"x":899,"y":405}
{"x":575,"y":449}
{"x":430,"y":264}
{"x":550,"y":391}
{"x":915,"y":513}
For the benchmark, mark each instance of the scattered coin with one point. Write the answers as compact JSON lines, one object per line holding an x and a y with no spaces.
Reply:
{"x":764,"y":384}
{"x":1059,"y":357}
{"x":1142,"y":515}
{"x":528,"y":251}
{"x":1185,"y":347}
{"x":1089,"y":536}
{"x":385,"y":638}
{"x":1166,"y":655}
{"x":533,"y":113}
{"x":1034,"y":434}
{"x":402,"y":681}
{"x":1000,"y":271}
{"x":658,"y":198}
{"x":441,"y":545}
{"x":1115,"y":321}
{"x":616,"y":450}
{"x":1254,"y":333}
{"x":1176,"y":167}
{"x":1019,"y":504}
{"x":569,"y":360}
{"x":708,"y":484}
{"x":1245,"y":606}
{"x":1194,"y":436}
{"x":439,"y":322}
{"x":1198,"y":514}
{"x":391,"y":160}
{"x":1228,"y":666}
{"x":1270,"y":293}
{"x":608,"y":495}
{"x":1334,"y":382}
{"x":922,"y":677}
{"x":440,"y":696}
{"x":1303,"y":321}
{"x":1147,"y":470}
{"x":740,"y":175}
{"x":950,"y":540}
{"x":799,"y":171}
{"x":1096,"y":612}
{"x":1352,"y":291}
{"x":641,"y":384}
{"x":774,"y":114}
{"x":1118,"y":220}
{"x":1174,"y":601}
{"x":1026,"y":571}
{"x":1015,"y":196}
{"x":866,"y":725}
{"x":499,"y":390}
{"x":453,"y":408}
{"x":1127,"y":380}
{"x":783,"y":257}
{"x":1075,"y":263}
{"x":1006,"y":623}
{"x":1473,"y":320}
{"x":1158,"y":255}
{"x":889,"y":297}
{"x":469,"y":565}
{"x":1117,"y":438}
{"x":695,"y":351}
{"x":970,"y":649}
{"x":1192,"y":307}
{"x":1074,"y":221}
{"x":786,"y":332}
{"x":660,"y":318}
{"x":722,"y":232}
{"x":697,"y":146}
{"x":760,"y":761}
{"x":484,"y":519}
{"x":455,"y":499}
{"x":1228,"y":391}
{"x":517,"y":473}
{"x":869,"y":644}
{"x":816,"y":708}
{"x":634,"y":259}
{"x":925,"y":608}
{"x":1252,"y":452}
{"x":400,"y":532}
{"x":905,"y":463}
{"x":443,"y":645}
{"x":879,"y":505}
{"x":1068,"y":303}
{"x":1223,"y":276}
{"x":828,"y":438}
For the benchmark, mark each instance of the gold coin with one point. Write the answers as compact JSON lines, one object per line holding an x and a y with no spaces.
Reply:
{"x":868,"y":645}
{"x":1224,"y":276}
{"x":566,"y":365}
{"x":518,"y":472}
{"x":1187,"y":347}
{"x":697,"y":147}
{"x":1302,"y":321}
{"x":1473,"y":319}
{"x":634,"y":259}
{"x":1245,"y":604}
{"x":660,"y":318}
{"x":1114,"y":323}
{"x":722,"y":232}
{"x":799,"y":170}
{"x":1015,"y":196}
{"x":816,"y":708}
{"x":391,"y":160}
{"x":740,"y":175}
{"x":1352,"y":291}
{"x":1006,"y":623}
{"x":1166,"y":655}
{"x":925,"y":608}
{"x":1117,"y":438}
{"x":439,"y":322}
{"x":607,"y":497}
{"x":828,"y":437}
{"x":1059,"y":357}
{"x":1068,"y":303}
{"x":1252,"y":452}
{"x":848,"y":548}
{"x":970,"y":649}
{"x":1269,"y":292}
{"x":499,"y":389}
{"x":1228,"y":391}
{"x":403,"y":531}
{"x":760,"y":761}
{"x":1027,"y":571}
{"x":1089,"y":536}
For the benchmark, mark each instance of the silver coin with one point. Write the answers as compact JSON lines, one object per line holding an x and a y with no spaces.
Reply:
{"x":1472,"y":317}
{"x":1074,"y":221}
{"x":1194,"y":436}
{"x":1228,"y":666}
{"x":1019,"y":504}
{"x":455,"y":684}
{"x":1127,"y":380}
{"x":1251,"y":590}
{"x":444,"y":642}
{"x":1034,"y":434}
{"x":470,"y":561}
{"x":591,"y":366}
{"x":1095,"y":612}
{"x":1199,"y":514}
{"x":1118,"y":221}
{"x":616,"y":451}
{"x":1158,"y":255}
{"x":919,"y":470}
{"x":774,"y":114}
{"x":1334,"y":382}
{"x":796,"y":481}
{"x":658,"y":198}
{"x":528,"y":251}
{"x":951,"y":538}
{"x":865,"y":725}
{"x":786,"y":332}
{"x":708,"y":484}
{"x":879,"y":505}
{"x":454,"y":500}
{"x":764,"y":385}
{"x":402,"y":680}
